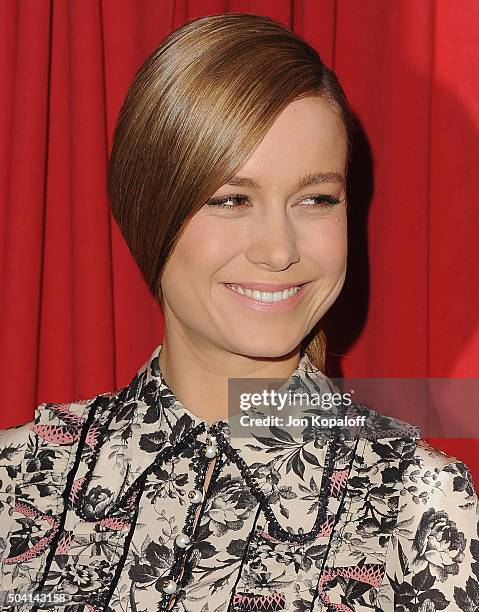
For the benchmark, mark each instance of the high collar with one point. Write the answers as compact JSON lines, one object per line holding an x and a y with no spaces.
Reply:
{"x":157,"y":418}
{"x":144,"y":419}
{"x":306,"y":378}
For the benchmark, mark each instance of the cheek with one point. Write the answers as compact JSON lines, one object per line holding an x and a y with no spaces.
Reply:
{"x":201,"y":251}
{"x":326,"y":244}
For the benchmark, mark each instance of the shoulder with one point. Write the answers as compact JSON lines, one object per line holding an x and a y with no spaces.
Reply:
{"x":430,"y":477}
{"x":432,"y":465}
{"x":422,"y":461}
{"x":13,"y":440}
{"x":53,"y":426}
{"x":431,"y":456}
{"x":439,"y":486}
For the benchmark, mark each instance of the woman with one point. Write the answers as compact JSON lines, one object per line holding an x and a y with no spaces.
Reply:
{"x":227,"y":178}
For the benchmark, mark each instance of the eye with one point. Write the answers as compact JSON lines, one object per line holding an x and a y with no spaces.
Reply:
{"x":323,"y":201}
{"x":240,"y":201}
{"x":221,"y":202}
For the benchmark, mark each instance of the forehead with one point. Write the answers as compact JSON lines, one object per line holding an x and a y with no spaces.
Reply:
{"x":307,"y":135}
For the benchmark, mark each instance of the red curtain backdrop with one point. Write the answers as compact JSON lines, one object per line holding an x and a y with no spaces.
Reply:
{"x":75,"y":316}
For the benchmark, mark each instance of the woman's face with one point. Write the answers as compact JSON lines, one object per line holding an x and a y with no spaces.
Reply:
{"x":271,"y":232}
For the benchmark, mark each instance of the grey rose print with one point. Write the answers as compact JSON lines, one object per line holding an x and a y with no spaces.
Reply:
{"x":84,"y":578}
{"x":97,"y":500}
{"x":438,"y":548}
{"x":229,"y":506}
{"x":438,"y":545}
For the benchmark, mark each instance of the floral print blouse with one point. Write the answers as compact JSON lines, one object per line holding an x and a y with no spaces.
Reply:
{"x":105,"y":504}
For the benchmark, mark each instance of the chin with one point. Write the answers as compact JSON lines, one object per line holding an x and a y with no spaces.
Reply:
{"x":265,"y":348}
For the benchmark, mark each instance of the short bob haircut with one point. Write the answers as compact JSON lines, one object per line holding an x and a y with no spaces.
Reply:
{"x":194,"y":113}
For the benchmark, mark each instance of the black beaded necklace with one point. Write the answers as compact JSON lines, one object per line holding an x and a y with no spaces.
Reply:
{"x":274,"y":527}
{"x":167,"y":454}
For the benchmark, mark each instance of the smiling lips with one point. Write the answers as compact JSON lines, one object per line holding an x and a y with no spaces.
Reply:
{"x":269,"y":287}
{"x":283,"y":296}
{"x":265,"y":296}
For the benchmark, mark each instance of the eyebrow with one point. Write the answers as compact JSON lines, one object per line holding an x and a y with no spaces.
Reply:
{"x":312,"y":178}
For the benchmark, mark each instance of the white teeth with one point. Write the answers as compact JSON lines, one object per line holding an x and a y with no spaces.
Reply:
{"x":265,"y":296}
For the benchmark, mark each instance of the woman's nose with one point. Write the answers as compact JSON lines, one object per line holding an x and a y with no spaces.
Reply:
{"x":273,"y":242}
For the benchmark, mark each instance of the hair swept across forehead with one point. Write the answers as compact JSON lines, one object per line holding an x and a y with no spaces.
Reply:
{"x":192,"y":116}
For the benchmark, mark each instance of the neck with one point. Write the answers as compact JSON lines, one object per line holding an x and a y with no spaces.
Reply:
{"x":197,"y":373}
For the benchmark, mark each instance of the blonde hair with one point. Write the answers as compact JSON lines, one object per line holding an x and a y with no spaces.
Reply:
{"x":194,"y":113}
